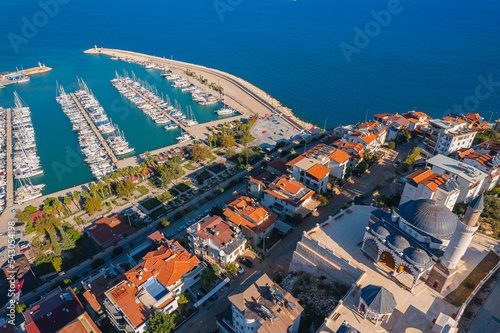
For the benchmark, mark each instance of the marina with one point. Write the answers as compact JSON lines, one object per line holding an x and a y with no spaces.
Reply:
{"x":152,"y":105}
{"x":4,"y":159}
{"x":98,"y":154}
{"x":25,"y":161}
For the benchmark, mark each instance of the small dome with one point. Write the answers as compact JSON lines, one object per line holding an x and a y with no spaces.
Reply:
{"x":417,"y":257}
{"x":397,"y":242}
{"x":378,"y":299}
{"x":430,"y":217}
{"x":379,"y":230}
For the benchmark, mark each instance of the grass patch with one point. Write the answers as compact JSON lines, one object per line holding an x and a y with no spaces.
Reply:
{"x":165,"y":196}
{"x":142,"y":190}
{"x":458,"y":296}
{"x":151,"y":204}
{"x":189,"y":166}
{"x":203,"y":176}
{"x":162,"y":211}
{"x":182,"y":187}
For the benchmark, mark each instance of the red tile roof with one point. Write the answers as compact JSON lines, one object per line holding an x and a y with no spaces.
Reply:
{"x":124,"y":296}
{"x":37,"y":215}
{"x":344,"y":145}
{"x":278,"y":164}
{"x":340,"y":156}
{"x":224,"y":233}
{"x":259,"y":217}
{"x":428,"y":178}
{"x":318,"y":172}
{"x":108,"y":230}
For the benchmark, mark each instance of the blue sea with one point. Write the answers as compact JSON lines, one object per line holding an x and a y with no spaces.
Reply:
{"x":331,"y":62}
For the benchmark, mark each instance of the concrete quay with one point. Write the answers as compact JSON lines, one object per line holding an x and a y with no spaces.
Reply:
{"x":28,"y":72}
{"x":239,"y":94}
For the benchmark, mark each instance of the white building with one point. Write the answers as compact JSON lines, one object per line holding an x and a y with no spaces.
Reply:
{"x":312,"y":167}
{"x":260,"y":306}
{"x":470,"y":178}
{"x":425,"y":184}
{"x":215,"y":238}
{"x":447,"y":136}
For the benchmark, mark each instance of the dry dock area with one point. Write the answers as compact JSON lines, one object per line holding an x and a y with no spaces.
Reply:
{"x":96,"y":131}
{"x":10,"y":176}
{"x":240,"y":94}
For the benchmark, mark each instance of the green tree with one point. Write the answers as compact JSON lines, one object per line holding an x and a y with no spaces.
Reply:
{"x":245,"y":138}
{"x":391,"y":145}
{"x":30,"y":209}
{"x":67,"y":243}
{"x":92,"y":205}
{"x":182,"y":299}
{"x":160,"y":322}
{"x":76,"y":196}
{"x":57,"y":263}
{"x":67,"y":200}
{"x":362,"y":166}
{"x":227,"y":140}
{"x":209,"y":276}
{"x":23,"y":216}
{"x":200,"y":152}
{"x":125,"y":188}
{"x":231,"y":268}
{"x":97,"y":263}
{"x":164,"y":223}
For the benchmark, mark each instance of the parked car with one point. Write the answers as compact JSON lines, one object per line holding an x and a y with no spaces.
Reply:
{"x":360,"y":197}
{"x":245,"y":262}
{"x":240,"y":269}
{"x":170,"y":235}
{"x":2,"y":248}
{"x":213,"y":297}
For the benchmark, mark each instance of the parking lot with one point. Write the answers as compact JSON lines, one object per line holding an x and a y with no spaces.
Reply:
{"x":272,"y":129}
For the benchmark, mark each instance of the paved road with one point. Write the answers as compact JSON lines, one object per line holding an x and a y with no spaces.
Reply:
{"x":280,"y":256}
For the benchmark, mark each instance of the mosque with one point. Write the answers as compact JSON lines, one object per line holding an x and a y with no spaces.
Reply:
{"x":421,"y":241}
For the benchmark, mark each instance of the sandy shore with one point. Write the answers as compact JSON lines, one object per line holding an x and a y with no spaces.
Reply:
{"x":239,"y":94}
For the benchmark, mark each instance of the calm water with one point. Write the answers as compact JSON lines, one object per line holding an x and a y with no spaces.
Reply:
{"x":428,"y":57}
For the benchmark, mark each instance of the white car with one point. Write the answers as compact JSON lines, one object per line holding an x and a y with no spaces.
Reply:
{"x":240,"y":269}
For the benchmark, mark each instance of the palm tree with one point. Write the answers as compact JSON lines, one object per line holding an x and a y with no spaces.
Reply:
{"x":85,"y":194}
{"x":107,"y":180}
{"x":93,"y":189}
{"x":76,"y":196}
{"x":100,"y":187}
{"x":67,"y":200}
{"x":114,"y":175}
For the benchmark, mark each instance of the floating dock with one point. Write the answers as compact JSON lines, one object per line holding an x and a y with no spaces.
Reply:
{"x":180,"y":124}
{"x":94,"y":128}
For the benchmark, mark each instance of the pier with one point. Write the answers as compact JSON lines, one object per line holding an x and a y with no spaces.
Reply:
{"x":10,"y":176}
{"x":180,"y":124}
{"x":94,"y":128}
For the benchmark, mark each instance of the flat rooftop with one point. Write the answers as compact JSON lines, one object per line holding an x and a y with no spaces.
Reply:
{"x":465,"y":171}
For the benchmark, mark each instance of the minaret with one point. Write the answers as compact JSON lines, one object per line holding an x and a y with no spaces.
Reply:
{"x":463,"y":234}
{"x":442,"y":273}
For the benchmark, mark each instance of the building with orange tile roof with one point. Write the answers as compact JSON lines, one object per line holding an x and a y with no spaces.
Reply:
{"x":255,"y":220}
{"x":215,"y":238}
{"x":59,"y":312}
{"x":108,"y":230}
{"x":312,"y":168}
{"x":482,"y":161}
{"x":354,"y":149}
{"x":447,"y":136}
{"x":488,"y":147}
{"x":153,"y":285}
{"x":259,"y":305}
{"x":339,"y":162}
{"x":425,"y":184}
{"x":286,"y":196}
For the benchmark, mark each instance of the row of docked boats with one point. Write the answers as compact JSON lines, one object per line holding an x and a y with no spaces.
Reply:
{"x":91,"y":146}
{"x":25,"y":161}
{"x":115,"y":139}
{"x":147,"y":101}
{"x":3,"y":158}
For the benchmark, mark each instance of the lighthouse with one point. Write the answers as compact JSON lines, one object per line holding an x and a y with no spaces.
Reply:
{"x":444,"y":271}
